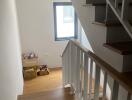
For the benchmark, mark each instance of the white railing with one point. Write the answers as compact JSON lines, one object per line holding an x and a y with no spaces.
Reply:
{"x":82,"y":69}
{"x":74,"y":59}
{"x":122,"y":12}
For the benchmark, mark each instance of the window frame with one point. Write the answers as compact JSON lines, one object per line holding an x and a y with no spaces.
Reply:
{"x":55,"y":22}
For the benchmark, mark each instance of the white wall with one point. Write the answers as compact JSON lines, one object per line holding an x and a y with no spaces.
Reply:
{"x":84,"y":40}
{"x":11,"y":82}
{"x":36,"y":28}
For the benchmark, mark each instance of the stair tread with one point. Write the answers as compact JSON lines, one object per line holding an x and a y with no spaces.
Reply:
{"x":104,"y":4}
{"x":110,"y":23}
{"x":99,"y":98}
{"x":124,"y":48}
{"x":57,"y":94}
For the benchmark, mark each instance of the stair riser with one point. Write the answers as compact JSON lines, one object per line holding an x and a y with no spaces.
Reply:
{"x":99,"y":2}
{"x":116,"y":34}
{"x":95,"y":1}
{"x":127,"y":63}
{"x":100,"y":14}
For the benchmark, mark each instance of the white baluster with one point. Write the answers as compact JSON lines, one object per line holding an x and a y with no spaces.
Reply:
{"x":129,"y":96}
{"x":115,"y":90}
{"x":85,"y":77}
{"x":73,"y":52}
{"x":107,"y":11}
{"x":97,"y":83}
{"x":104,"y":86}
{"x":70,"y":67}
{"x":91,"y":79}
{"x":63,"y":70}
{"x":81,"y":71}
{"x":78,"y":72}
{"x":74,"y":66}
{"x":66,"y":66}
{"x":116,"y":3}
{"x":75,"y":69}
{"x":124,"y":10}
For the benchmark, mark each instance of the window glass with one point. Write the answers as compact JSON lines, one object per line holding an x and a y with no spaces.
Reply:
{"x":65,"y":21}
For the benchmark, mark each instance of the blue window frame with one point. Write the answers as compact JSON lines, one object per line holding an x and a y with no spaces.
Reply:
{"x":65,"y":21}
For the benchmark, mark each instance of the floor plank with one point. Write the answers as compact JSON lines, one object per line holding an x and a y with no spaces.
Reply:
{"x":57,"y":94}
{"x":44,"y":83}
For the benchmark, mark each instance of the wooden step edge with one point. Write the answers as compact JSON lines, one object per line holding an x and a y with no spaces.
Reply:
{"x":99,"y":4}
{"x":67,"y":89}
{"x":107,"y":24}
{"x":100,"y":98}
{"x":123,"y":52}
{"x":93,"y":4}
{"x":60,"y":94}
{"x":98,"y":23}
{"x":87,"y":5}
{"x":104,"y":4}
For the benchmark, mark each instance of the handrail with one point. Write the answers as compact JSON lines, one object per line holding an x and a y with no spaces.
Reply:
{"x":111,"y":71}
{"x":80,"y":46}
{"x":77,"y":44}
{"x":106,"y":67}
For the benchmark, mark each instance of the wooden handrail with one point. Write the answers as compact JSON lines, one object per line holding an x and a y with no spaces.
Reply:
{"x":121,"y":78}
{"x":77,"y":44}
{"x":81,"y":47}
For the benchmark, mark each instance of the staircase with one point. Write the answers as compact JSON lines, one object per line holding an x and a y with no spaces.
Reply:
{"x":115,"y":17}
{"x":114,"y":14}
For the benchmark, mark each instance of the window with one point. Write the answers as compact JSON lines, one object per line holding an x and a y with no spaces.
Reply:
{"x":65,"y":21}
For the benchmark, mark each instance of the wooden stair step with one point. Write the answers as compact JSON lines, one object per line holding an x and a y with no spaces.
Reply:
{"x":99,"y":4}
{"x":100,"y":98}
{"x":104,"y":4}
{"x":57,"y":94}
{"x":108,"y":24}
{"x":123,"y":48}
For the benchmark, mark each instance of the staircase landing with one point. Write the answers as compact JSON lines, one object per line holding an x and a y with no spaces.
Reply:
{"x":57,"y":94}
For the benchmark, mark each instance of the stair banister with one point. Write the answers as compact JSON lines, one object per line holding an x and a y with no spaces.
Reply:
{"x":79,"y":73}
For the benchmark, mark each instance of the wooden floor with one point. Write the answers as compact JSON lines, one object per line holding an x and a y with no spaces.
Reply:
{"x":47,"y":87}
{"x":57,"y":94}
{"x":48,"y":82}
{"x":44,"y":83}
